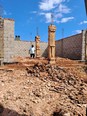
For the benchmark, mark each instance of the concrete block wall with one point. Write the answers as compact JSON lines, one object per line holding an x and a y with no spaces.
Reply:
{"x":1,"y":38}
{"x":8,"y":40}
{"x":59,"y":48}
{"x":70,"y":47}
{"x":21,"y":48}
{"x":86,"y":45}
{"x":44,"y":49}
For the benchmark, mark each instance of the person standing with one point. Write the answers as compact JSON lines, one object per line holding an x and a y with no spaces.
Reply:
{"x":32,"y":51}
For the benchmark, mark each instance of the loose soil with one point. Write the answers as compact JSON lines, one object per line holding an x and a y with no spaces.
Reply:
{"x":33,"y":87}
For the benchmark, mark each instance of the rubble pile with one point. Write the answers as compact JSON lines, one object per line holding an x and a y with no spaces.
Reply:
{"x":42,"y":90}
{"x":72,"y":88}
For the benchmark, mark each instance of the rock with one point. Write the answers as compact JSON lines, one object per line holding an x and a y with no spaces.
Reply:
{"x":67,"y":114}
{"x":1,"y":108}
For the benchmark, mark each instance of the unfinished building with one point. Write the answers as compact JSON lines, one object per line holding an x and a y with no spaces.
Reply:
{"x":11,"y":47}
{"x":74,"y":47}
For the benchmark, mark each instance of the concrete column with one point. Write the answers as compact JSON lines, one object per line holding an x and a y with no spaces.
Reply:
{"x":8,"y":40}
{"x":37,"y":40}
{"x":51,"y":43}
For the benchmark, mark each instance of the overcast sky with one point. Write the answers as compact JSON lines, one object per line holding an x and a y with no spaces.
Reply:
{"x":69,"y":16}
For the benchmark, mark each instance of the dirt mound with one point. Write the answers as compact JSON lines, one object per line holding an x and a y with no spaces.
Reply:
{"x":42,"y":89}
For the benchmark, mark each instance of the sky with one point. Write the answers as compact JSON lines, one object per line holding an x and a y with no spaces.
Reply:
{"x":34,"y":16}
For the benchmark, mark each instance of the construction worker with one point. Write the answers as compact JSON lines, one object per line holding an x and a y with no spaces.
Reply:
{"x":32,"y":51}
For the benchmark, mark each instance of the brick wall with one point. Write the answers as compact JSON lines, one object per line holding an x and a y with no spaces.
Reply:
{"x":70,"y":47}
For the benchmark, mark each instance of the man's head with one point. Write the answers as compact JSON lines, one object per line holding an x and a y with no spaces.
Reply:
{"x":32,"y":46}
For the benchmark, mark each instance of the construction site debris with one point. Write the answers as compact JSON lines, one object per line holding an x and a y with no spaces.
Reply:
{"x":41,"y":89}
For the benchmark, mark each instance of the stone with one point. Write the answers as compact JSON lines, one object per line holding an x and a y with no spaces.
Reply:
{"x":67,"y":114}
{"x":1,"y":108}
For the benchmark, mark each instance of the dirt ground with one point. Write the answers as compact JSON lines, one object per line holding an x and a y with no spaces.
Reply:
{"x":33,"y":87}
